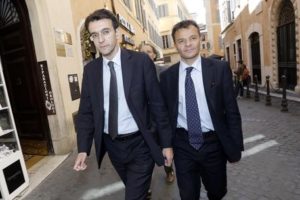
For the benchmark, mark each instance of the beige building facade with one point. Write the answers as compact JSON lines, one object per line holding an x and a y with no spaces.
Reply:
{"x":170,"y":13}
{"x":264,"y":34}
{"x":204,"y":43}
{"x":44,"y":48}
{"x":213,"y":27}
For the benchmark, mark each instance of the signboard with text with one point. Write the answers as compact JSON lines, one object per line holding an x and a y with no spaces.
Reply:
{"x":46,"y":88}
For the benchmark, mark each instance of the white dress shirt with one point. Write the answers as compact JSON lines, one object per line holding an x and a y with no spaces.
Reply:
{"x":206,"y":122}
{"x":126,"y":123}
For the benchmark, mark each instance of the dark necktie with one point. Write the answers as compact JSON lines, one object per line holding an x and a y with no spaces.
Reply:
{"x":113,"y":103}
{"x":192,"y":112}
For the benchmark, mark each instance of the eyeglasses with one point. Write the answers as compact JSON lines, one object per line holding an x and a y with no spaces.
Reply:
{"x":104,"y":33}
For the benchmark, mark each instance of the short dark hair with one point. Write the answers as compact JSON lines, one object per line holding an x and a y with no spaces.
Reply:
{"x":184,"y":24}
{"x":101,"y":14}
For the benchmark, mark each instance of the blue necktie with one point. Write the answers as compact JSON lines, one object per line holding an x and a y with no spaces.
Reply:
{"x":113,"y":103}
{"x":192,"y":112}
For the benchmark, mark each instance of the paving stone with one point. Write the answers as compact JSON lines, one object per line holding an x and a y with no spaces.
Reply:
{"x":271,"y":174}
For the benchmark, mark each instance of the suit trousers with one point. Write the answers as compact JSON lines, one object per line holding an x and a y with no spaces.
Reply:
{"x":207,"y":164}
{"x":133,"y":162}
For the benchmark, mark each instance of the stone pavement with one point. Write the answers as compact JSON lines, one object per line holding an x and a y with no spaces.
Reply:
{"x":269,"y":170}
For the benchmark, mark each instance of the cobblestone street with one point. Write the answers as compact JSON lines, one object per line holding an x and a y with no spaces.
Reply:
{"x":269,"y":169}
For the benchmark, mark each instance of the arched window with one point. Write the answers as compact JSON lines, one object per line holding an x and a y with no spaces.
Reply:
{"x":286,"y":15}
{"x":255,"y":54}
{"x":286,"y":44}
{"x":8,"y":14}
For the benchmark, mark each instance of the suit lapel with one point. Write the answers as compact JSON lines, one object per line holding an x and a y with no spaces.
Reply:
{"x":96,"y":82}
{"x":174,"y":81}
{"x":209,"y":81}
{"x":98,"y":79}
{"x":127,"y":72}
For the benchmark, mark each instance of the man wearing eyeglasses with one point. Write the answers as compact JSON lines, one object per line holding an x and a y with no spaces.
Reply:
{"x":119,"y":92}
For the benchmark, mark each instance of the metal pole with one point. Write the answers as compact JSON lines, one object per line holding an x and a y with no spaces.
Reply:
{"x":284,"y":104}
{"x":268,"y":97}
{"x":248,"y":85}
{"x":256,"y":95}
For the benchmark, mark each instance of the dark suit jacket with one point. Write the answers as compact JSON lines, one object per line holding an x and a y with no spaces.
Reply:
{"x":222,"y":105}
{"x":143,"y":97}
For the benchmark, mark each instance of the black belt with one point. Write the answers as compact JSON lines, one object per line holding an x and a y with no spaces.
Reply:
{"x":210,"y":135}
{"x":128,"y":136}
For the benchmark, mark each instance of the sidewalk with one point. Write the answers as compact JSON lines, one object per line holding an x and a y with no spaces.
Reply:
{"x":39,"y":172}
{"x":268,"y":170}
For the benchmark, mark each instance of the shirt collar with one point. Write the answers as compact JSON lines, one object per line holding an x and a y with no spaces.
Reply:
{"x":196,"y":65}
{"x":116,"y":59}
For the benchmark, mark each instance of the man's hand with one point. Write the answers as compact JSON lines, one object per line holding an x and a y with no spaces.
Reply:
{"x":168,"y":155}
{"x":80,"y":164}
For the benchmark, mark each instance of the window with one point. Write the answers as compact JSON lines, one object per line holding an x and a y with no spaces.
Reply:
{"x":234,"y":49}
{"x":163,"y":10}
{"x":180,"y":14}
{"x":153,"y":7}
{"x":239,"y":48}
{"x":140,"y":13}
{"x":9,"y":14}
{"x":230,"y":13}
{"x":144,"y":20}
{"x":228,"y":54}
{"x":127,"y":3}
{"x":154,"y":35}
{"x":166,"y":41}
{"x":220,"y":42}
{"x":234,"y":53}
{"x":138,"y":10}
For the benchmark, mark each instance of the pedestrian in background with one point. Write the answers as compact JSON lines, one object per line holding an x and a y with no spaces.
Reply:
{"x":204,"y":116}
{"x":152,"y":53}
{"x":119,"y":91}
{"x":239,"y":89}
{"x":246,"y":76}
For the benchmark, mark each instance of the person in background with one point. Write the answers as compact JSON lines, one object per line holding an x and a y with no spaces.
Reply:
{"x":246,"y":76}
{"x":204,"y":116}
{"x":239,"y":89}
{"x":119,"y":91}
{"x":152,"y":53}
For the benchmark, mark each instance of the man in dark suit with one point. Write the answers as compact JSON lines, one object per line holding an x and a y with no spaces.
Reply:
{"x":204,"y":116}
{"x":120,"y":91}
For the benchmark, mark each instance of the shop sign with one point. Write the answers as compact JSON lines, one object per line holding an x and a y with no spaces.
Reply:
{"x":46,"y":88}
{"x":126,"y":24}
{"x":127,"y":40}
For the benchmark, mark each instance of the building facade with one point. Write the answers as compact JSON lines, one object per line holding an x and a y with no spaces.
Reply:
{"x":265,"y":35}
{"x":170,"y":13}
{"x":43,"y":49}
{"x":204,"y":43}
{"x":213,"y":26}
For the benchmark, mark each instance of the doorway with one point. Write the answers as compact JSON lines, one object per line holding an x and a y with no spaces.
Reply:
{"x":20,"y":71}
{"x":286,"y":44}
{"x":255,"y":55}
